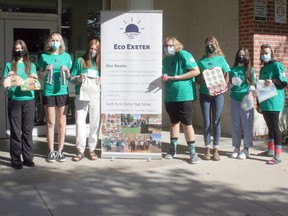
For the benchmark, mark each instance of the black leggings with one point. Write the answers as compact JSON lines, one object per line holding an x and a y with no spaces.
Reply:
{"x":272,"y":121}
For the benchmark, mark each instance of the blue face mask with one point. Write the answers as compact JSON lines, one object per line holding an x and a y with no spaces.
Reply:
{"x":266,"y":58}
{"x":55,"y":45}
{"x":169,"y":51}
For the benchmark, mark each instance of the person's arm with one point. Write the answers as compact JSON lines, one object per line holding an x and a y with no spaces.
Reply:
{"x":190,"y":74}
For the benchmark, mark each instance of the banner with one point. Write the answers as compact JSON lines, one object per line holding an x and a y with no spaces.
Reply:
{"x":131,"y":86}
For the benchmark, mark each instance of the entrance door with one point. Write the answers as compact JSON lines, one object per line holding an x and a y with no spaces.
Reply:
{"x":34,"y":33}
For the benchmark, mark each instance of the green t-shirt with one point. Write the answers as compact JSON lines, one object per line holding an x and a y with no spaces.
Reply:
{"x":14,"y":92}
{"x":274,"y":70}
{"x":237,"y":92}
{"x":179,"y":90}
{"x":56,"y":87}
{"x":79,"y":69}
{"x":211,"y":62}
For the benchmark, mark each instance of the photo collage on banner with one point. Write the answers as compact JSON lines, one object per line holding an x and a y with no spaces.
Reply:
{"x":131,"y":86}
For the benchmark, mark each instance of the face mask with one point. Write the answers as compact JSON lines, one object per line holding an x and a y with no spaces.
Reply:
{"x":55,"y":45}
{"x":209,"y":49}
{"x":169,"y":51}
{"x":240,"y":59}
{"x":93,"y":54}
{"x":20,"y":53}
{"x":266,"y":58}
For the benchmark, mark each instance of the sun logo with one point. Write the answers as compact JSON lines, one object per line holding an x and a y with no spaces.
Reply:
{"x":132,"y":30}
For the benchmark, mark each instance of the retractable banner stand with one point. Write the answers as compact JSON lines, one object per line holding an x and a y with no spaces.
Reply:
{"x":131,"y":86}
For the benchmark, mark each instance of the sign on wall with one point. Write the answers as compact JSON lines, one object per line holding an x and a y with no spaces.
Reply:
{"x":260,"y":10}
{"x":280,"y":11}
{"x":131,"y":86}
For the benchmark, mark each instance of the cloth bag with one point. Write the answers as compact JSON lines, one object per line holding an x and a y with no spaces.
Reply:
{"x":90,"y":89}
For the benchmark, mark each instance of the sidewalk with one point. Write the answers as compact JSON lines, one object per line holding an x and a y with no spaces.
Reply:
{"x":129,"y":187}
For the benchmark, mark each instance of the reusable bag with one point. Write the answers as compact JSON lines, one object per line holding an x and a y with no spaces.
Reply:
{"x":90,"y":89}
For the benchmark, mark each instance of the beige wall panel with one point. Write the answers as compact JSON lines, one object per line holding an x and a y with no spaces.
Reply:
{"x":191,"y":22}
{"x":119,"y":4}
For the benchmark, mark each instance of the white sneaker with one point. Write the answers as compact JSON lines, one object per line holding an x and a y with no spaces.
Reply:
{"x":235,"y":153}
{"x":244,"y":154}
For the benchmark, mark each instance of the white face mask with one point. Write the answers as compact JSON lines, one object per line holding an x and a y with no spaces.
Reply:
{"x":55,"y":45}
{"x":266,"y":58}
{"x":93,"y":53}
{"x":169,"y":51}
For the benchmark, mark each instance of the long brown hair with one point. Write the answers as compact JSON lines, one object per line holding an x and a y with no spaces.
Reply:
{"x":86,"y":58}
{"x":247,"y":64}
{"x":25,"y":57}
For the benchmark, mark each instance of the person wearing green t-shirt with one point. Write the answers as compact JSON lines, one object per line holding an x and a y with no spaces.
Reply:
{"x":211,"y":104}
{"x":272,"y":71}
{"x":179,"y":72}
{"x":242,"y":80}
{"x":86,"y":69}
{"x":21,"y":106}
{"x":54,"y":65}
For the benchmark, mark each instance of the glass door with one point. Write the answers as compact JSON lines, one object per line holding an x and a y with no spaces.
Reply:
{"x":34,"y":33}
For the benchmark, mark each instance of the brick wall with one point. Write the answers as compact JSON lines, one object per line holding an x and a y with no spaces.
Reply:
{"x":252,"y":34}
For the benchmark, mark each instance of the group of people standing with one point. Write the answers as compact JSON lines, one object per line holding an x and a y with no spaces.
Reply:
{"x":181,"y":74}
{"x":55,"y":67}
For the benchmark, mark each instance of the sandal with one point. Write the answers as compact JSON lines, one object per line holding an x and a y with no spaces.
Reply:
{"x":79,"y":156}
{"x":92,"y":155}
{"x":274,"y":161}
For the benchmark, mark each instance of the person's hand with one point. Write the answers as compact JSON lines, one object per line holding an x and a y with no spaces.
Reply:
{"x":267,"y":82}
{"x":49,"y":67}
{"x":82,"y":77}
{"x":33,"y":76}
{"x":64,"y":68}
{"x":164,"y":78}
{"x":11,"y":73}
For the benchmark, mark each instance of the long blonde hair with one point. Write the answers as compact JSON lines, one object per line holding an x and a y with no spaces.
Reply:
{"x":48,"y":46}
{"x":177,"y":44}
{"x":215,"y":43}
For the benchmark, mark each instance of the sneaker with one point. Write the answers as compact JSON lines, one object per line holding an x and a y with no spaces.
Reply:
{"x":51,"y":157}
{"x":244,"y":154}
{"x":60,"y":156}
{"x":194,"y":159}
{"x":235,"y":153}
{"x":170,"y":154}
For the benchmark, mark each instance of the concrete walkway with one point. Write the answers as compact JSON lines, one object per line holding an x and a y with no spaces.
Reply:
{"x":128,"y":187}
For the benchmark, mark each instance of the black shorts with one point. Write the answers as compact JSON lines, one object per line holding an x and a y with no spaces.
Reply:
{"x":52,"y":101}
{"x":180,"y":112}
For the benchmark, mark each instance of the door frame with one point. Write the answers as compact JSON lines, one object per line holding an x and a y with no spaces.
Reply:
{"x":9,"y":21}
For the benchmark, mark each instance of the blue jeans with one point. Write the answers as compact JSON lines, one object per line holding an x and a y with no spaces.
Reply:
{"x":211,"y":105}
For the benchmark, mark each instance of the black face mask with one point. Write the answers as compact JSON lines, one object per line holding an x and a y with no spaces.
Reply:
{"x":209,"y":49}
{"x":240,"y":59}
{"x":19,"y":54}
